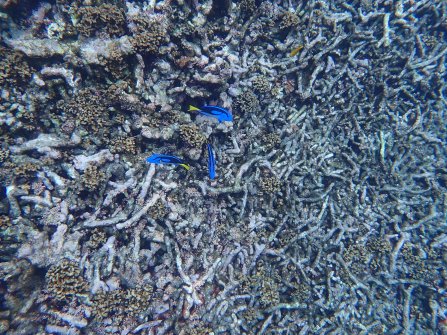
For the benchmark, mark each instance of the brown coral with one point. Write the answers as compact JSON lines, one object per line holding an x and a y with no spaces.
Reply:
{"x":88,"y":107}
{"x":289,"y":20}
{"x":261,"y":84}
{"x":5,"y":222}
{"x":269,"y":184}
{"x":191,"y":135}
{"x":158,"y":211}
{"x":378,"y":246}
{"x":124,"y":145}
{"x":97,"y":238}
{"x":25,"y":170}
{"x":14,"y":70}
{"x":115,"y":63}
{"x":92,"y":177}
{"x":64,"y":280}
{"x":103,"y":18}
{"x":4,"y":154}
{"x":198,"y":328}
{"x":269,"y":293}
{"x":270,"y":140}
{"x":355,"y":252}
{"x":248,"y":7}
{"x":247,"y":102}
{"x":148,"y":35}
{"x":122,"y":304}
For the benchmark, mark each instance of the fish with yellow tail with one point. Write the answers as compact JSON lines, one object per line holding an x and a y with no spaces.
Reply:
{"x":220,"y":113}
{"x":295,"y":51}
{"x":167,"y":159}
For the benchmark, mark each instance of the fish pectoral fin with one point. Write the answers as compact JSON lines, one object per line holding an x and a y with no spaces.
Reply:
{"x":193,"y":108}
{"x":186,"y":166}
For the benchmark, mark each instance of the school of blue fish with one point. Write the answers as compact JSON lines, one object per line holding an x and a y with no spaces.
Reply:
{"x":221,"y":114}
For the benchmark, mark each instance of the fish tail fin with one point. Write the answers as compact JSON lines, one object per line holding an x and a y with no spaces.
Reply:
{"x":186,"y":166}
{"x":192,"y":108}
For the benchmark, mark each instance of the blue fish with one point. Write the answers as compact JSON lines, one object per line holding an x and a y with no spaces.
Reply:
{"x":166,"y":159}
{"x":219,"y":113}
{"x":211,"y":162}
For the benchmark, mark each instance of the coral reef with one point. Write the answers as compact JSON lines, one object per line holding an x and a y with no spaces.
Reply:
{"x":14,"y":70}
{"x":119,"y":306}
{"x":148,"y":34}
{"x":329,"y":213}
{"x":4,"y":154}
{"x":92,"y":177}
{"x":87,"y":107}
{"x":64,"y":280}
{"x":288,"y":20}
{"x":261,"y":84}
{"x":246,"y":103}
{"x":191,"y":135}
{"x":124,"y":145}
{"x":269,"y":184}
{"x":105,"y":18}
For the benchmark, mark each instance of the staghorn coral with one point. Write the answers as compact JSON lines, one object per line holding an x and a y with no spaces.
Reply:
{"x":20,"y":281}
{"x":4,"y":326}
{"x":352,"y":127}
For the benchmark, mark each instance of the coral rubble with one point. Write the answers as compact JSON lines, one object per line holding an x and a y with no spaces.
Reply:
{"x":328,"y":212}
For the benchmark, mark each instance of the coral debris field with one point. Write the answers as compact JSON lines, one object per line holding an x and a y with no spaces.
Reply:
{"x":328,"y":211}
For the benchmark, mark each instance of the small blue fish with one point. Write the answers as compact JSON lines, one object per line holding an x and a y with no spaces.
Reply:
{"x":219,"y":113}
{"x":211,"y":162}
{"x":167,"y":159}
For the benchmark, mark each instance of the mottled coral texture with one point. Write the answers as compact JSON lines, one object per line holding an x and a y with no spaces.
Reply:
{"x":328,"y":212}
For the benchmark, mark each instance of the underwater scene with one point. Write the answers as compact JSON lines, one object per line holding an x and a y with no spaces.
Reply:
{"x":223,"y":167}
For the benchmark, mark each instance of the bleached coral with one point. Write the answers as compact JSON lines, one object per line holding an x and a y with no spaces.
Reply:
{"x":39,"y":47}
{"x":81,"y":162}
{"x":331,"y":190}
{"x":43,"y":250}
{"x":95,"y":49}
{"x":68,"y":75}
